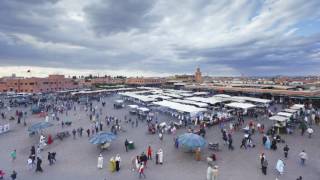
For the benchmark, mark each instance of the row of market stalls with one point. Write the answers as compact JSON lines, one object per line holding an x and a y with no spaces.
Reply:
{"x":187,"y":104}
{"x":281,"y":119}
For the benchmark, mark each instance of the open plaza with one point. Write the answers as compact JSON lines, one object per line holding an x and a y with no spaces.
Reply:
{"x":188,"y":135}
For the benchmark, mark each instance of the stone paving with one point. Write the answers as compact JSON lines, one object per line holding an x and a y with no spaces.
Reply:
{"x":77,"y":159}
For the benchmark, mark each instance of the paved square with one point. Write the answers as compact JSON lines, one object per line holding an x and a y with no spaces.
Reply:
{"x":77,"y":159}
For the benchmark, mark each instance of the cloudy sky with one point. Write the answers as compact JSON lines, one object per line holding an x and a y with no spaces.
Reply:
{"x":160,"y":37}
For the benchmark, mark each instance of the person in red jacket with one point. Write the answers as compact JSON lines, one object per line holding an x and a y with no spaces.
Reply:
{"x":149,"y":152}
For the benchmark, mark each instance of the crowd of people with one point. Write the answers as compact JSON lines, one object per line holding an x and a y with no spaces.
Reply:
{"x":271,"y":139}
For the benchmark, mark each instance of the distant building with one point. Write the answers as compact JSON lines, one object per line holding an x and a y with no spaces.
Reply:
{"x":144,"y":81}
{"x":198,"y":76}
{"x":51,"y":83}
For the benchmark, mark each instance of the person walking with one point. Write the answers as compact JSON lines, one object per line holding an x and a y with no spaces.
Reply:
{"x":264,"y":166}
{"x":88,"y":132}
{"x":39,"y":168}
{"x":310,"y":132}
{"x":14,"y":175}
{"x":141,"y":171}
{"x":13,"y":155}
{"x":299,"y":178}
{"x":126,"y":144}
{"x":100,"y":162}
{"x":50,"y":158}
{"x":262,"y":158}
{"x":160,"y":156}
{"x":29,"y":163}
{"x":74,"y":133}
{"x":230,"y":147}
{"x":118,"y":160}
{"x":286,"y":151}
{"x":33,"y":150}
{"x":280,"y":166}
{"x":303,"y":157}
{"x":149,"y":153}
{"x":209,"y":172}
{"x":215,"y":173}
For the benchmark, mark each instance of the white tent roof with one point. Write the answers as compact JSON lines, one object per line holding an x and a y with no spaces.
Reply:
{"x":291,"y":110}
{"x":251,"y":99}
{"x":241,"y":105}
{"x":222,"y":95}
{"x":200,"y":93}
{"x":285,"y":114}
{"x":210,"y":100}
{"x":279,"y":118}
{"x":159,"y":96}
{"x":180,"y":107}
{"x":143,"y":109}
{"x":139,"y":97}
{"x":101,"y":91}
{"x":133,"y":106}
{"x":119,"y":101}
{"x":297,"y":106}
{"x":184,"y":101}
{"x":186,"y":94}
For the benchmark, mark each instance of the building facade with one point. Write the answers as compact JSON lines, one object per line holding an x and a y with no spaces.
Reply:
{"x":144,"y":81}
{"x":51,"y":83}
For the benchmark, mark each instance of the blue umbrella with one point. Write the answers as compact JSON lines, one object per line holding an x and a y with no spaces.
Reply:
{"x":191,"y":141}
{"x":39,"y":126}
{"x":102,"y":137}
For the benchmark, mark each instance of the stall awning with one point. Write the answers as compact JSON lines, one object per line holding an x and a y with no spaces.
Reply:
{"x":290,"y":110}
{"x":133,"y":106}
{"x":241,"y":105}
{"x":285,"y":114}
{"x":279,"y":118}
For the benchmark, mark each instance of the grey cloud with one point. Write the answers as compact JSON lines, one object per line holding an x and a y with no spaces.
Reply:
{"x":113,"y":16}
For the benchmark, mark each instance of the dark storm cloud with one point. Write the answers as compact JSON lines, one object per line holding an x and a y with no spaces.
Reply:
{"x":25,"y":15}
{"x":113,"y":16}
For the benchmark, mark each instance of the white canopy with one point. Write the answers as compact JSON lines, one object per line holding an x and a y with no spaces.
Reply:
{"x":279,"y":118}
{"x":138,"y":97}
{"x":180,"y":107}
{"x":222,"y":95}
{"x":143,"y":109}
{"x":200,"y":93}
{"x":133,"y":106}
{"x":290,"y":110}
{"x":184,"y":101}
{"x":297,"y":106}
{"x":209,"y":100}
{"x":101,"y":91}
{"x":285,"y":114}
{"x":155,"y":96}
{"x":119,"y":101}
{"x":241,"y":105}
{"x":251,"y":99}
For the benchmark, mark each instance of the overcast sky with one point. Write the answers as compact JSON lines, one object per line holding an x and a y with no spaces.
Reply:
{"x":160,"y":37}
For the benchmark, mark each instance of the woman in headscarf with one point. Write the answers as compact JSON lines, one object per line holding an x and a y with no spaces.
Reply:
{"x":112,"y":164}
{"x":117,"y":159}
{"x":268,"y":143}
{"x":280,"y":166}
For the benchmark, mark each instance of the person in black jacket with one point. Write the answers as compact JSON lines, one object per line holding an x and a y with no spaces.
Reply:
{"x":39,"y":168}
{"x":286,"y":151}
{"x":13,"y":175}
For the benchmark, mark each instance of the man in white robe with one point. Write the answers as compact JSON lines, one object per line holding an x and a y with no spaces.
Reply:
{"x":100,"y":162}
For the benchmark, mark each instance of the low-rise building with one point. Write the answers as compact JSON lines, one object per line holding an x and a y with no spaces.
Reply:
{"x":37,"y":85}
